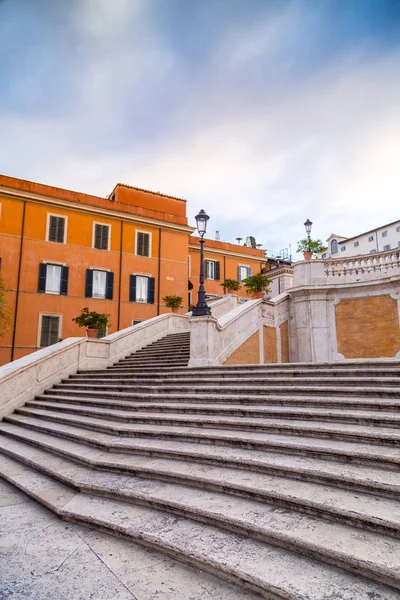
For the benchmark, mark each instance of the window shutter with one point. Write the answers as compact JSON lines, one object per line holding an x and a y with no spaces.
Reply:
{"x":109,"y":285}
{"x":53,"y":229}
{"x":50,"y":331}
{"x":97,"y":236}
{"x":146,"y":240}
{"x":139,"y":249}
{"x":89,"y":284}
{"x":132,"y":288}
{"x":150,"y":290}
{"x":248,"y":271}
{"x":238,"y":277}
{"x":217,"y":271}
{"x":64,"y":281}
{"x":42,"y":278}
{"x":104,"y":240}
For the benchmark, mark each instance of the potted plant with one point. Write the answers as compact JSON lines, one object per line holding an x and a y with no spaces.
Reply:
{"x":173,"y":302}
{"x":93,"y":321}
{"x":230,"y":286}
{"x":310,"y":247}
{"x":257,"y":285}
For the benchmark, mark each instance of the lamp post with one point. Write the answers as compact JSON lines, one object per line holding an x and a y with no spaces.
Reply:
{"x":308,"y":225}
{"x":201,"y":309}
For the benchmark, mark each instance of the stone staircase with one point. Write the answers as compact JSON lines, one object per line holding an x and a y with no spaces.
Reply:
{"x":282,"y":479}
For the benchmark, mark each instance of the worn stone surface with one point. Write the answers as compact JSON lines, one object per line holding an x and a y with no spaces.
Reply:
{"x":44,"y":558}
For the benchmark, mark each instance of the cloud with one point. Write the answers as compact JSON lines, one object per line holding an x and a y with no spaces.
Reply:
{"x":261,"y":131}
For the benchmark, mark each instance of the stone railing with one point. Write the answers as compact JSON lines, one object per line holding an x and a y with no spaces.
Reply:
{"x":369,"y":266}
{"x":22,"y":379}
{"x":213,"y":340}
{"x":354,"y":269}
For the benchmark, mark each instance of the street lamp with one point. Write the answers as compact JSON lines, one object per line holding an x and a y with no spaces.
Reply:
{"x":201,"y":309}
{"x":308,"y":225}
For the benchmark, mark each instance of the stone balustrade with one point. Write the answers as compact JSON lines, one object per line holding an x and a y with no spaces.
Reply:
{"x":26,"y":377}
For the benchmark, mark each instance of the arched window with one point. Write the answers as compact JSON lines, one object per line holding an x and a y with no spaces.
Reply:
{"x":334,"y":247}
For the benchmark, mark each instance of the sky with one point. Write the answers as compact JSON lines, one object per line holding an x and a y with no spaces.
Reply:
{"x":262,"y":112}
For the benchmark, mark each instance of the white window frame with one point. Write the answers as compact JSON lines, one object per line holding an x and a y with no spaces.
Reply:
{"x":384,"y":233}
{"x":39,"y":333}
{"x":247,"y":267}
{"x":150,"y":234}
{"x":189,"y":265}
{"x":370,"y":238}
{"x":397,"y":228}
{"x":94,"y":234}
{"x":356,"y":244}
{"x":65,"y":217}
{"x":51,"y":264}
{"x":105,"y":287}
{"x":342,"y":248}
{"x":207,"y":261}
{"x":387,"y":247}
{"x":147,"y":290}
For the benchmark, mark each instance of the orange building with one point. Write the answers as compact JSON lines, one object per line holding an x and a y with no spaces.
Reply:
{"x":62,"y":250}
{"x":222,"y":261}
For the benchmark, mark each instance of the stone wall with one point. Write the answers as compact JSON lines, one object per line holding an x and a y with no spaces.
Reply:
{"x":248,"y":353}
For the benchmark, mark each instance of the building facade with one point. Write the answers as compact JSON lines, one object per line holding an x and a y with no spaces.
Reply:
{"x":382,"y":239}
{"x":62,"y":250}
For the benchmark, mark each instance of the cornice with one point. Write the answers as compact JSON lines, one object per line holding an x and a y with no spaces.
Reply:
{"x":86,"y":208}
{"x":221,"y":252}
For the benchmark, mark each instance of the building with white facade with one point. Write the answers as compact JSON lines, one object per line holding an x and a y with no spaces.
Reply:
{"x":381,"y":239}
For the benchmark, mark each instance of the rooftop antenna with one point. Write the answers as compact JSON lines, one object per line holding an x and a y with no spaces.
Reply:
{"x":239,"y":239}
{"x":217,"y":236}
{"x":259,"y":245}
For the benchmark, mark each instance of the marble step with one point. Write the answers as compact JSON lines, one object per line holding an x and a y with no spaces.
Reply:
{"x":376,"y":557}
{"x":184,"y":401}
{"x":231,"y":556}
{"x":189,"y":373}
{"x":207,"y":444}
{"x":201,"y":382}
{"x":244,"y":387}
{"x":344,"y":431}
{"x":197,"y":464}
{"x":360,"y":416}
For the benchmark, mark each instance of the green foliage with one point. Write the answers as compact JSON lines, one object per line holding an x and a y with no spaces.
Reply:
{"x":230,"y":284}
{"x":5,"y":310}
{"x":92,"y":319}
{"x":256,"y":283}
{"x":314,"y":246}
{"x":173,"y":301}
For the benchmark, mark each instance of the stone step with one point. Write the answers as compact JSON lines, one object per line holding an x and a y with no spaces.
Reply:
{"x":360,"y":416}
{"x":179,"y":441}
{"x":239,"y":400}
{"x":333,"y":543}
{"x":375,"y":435}
{"x":189,"y":373}
{"x":196,"y":382}
{"x":226,"y":554}
{"x":197,"y":466}
{"x":383,"y":391}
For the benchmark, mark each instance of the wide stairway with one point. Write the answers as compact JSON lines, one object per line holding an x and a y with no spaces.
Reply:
{"x":282,"y":479}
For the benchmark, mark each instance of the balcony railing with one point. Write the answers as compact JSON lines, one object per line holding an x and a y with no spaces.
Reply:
{"x":369,"y":266}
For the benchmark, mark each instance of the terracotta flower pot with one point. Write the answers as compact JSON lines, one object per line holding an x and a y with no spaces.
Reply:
{"x":175,"y":310}
{"x":259,"y":295}
{"x":307,"y":255}
{"x":92,"y":333}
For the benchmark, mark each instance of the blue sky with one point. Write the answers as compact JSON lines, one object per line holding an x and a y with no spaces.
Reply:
{"x":262,"y":112}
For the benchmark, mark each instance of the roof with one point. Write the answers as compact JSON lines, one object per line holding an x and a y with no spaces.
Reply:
{"x":133,"y":187}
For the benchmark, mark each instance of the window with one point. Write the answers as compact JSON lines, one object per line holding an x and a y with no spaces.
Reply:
{"x":243,"y":272}
{"x":334,"y":247}
{"x":143,"y":243}
{"x":372,"y":251}
{"x":99,"y":284}
{"x":356,"y":244}
{"x":398,"y":228}
{"x":101,"y":236}
{"x":325,"y":255}
{"x":53,"y":279}
{"x":49,"y":330}
{"x":141,"y":289}
{"x":212,"y":269}
{"x":387,"y":247}
{"x":398,"y":244}
{"x":370,"y":238}
{"x":56,"y":229}
{"x":342,"y":248}
{"x":136,"y":322}
{"x":384,"y":233}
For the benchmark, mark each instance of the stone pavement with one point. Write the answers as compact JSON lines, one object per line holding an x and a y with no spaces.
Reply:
{"x":45,"y":558}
